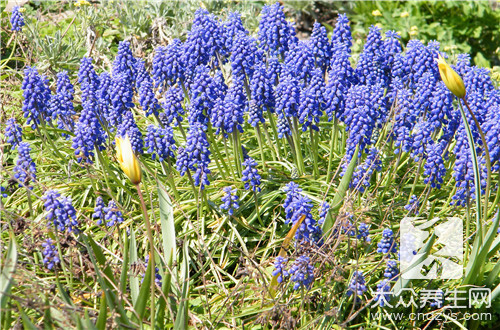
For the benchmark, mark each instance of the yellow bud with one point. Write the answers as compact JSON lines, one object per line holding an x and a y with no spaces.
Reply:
{"x":405,"y":14}
{"x":376,"y":13}
{"x":127,"y":159}
{"x":450,"y":78}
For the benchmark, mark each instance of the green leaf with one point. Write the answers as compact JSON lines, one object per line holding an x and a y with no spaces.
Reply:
{"x":103,"y":311}
{"x":26,"y":320}
{"x":6,"y":277}
{"x":341,"y":192}
{"x":424,"y":253}
{"x":144,"y":293}
{"x":181,"y":320}
{"x":167,"y":226}
{"x":134,"y":281}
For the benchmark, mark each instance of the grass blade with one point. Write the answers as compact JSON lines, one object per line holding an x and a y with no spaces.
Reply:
{"x":6,"y":277}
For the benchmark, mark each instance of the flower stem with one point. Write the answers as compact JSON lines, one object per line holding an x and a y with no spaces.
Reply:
{"x":151,"y":253}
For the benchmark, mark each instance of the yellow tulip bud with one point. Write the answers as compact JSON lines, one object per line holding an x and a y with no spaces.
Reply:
{"x":376,"y":13}
{"x":127,"y":159}
{"x":450,"y":78}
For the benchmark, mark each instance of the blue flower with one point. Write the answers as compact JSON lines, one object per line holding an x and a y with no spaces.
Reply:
{"x":391,"y":48}
{"x":89,"y":80}
{"x":204,"y":91}
{"x":251,"y":176}
{"x":196,"y":155}
{"x":147,"y":98}
{"x":357,"y":286}
{"x":391,"y":271}
{"x":113,"y":215}
{"x":235,"y":104}
{"x":229,"y":200}
{"x":262,"y":92}
{"x":339,"y":81}
{"x":302,"y":272}
{"x":244,"y":56}
{"x":299,"y":61}
{"x":50,"y":254}
{"x":61,"y":104}
{"x":158,"y":277}
{"x":387,"y":243}
{"x":342,"y":33}
{"x":121,"y":98}
{"x":25,"y":169}
{"x":204,"y":41}
{"x":168,"y":67}
{"x":83,"y":143}
{"x":369,"y":69}
{"x":422,"y":136}
{"x":160,"y":142}
{"x":129,"y":127}
{"x":125,"y":63}
{"x":276,"y":35}
{"x":320,"y":46}
{"x":323,"y":212}
{"x":60,"y":210}
{"x":434,"y":169}
{"x":172,"y":107}
{"x":99,"y":210}
{"x":232,"y":27}
{"x":363,"y":172}
{"x":287,"y":103}
{"x":17,"y":19}
{"x":312,"y":101}
{"x":13,"y":132}
{"x":104,"y":99}
{"x":36,"y":94}
{"x":364,"y":232}
{"x":384,"y":292}
{"x":280,"y":268}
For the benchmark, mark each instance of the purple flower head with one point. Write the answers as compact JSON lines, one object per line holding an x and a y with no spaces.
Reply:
{"x":287,"y":102}
{"x":299,"y":61}
{"x":50,"y":254}
{"x":172,"y":106}
{"x":320,"y":46}
{"x":25,"y":169}
{"x":369,"y":69}
{"x":364,"y":232}
{"x":125,"y":63}
{"x":244,"y":56}
{"x":434,"y":169}
{"x":312,"y":101}
{"x":147,"y":98}
{"x":13,"y":132}
{"x":232,"y":27}
{"x":342,"y":33}
{"x":61,"y":212}
{"x":129,"y":127}
{"x":280,"y":268}
{"x":121,"y":98}
{"x":168,"y":68}
{"x":302,"y":272}
{"x":262,"y":92}
{"x":387,"y":243}
{"x":61,"y":104}
{"x":363,"y":173}
{"x":17,"y":19}
{"x":339,"y":81}
{"x":391,"y":271}
{"x":357,"y":286}
{"x":276,"y":35}
{"x":384,"y":292}
{"x":229,"y":200}
{"x":36,"y":94}
{"x":99,"y":210}
{"x":251,"y":176}
{"x":160,"y":142}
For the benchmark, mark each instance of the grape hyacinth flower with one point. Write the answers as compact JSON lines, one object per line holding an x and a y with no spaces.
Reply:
{"x":229,"y":200}
{"x":262,"y":92}
{"x":363,"y":173}
{"x":98,"y":210}
{"x":61,"y":104}
{"x":160,"y":142}
{"x":364,"y":232}
{"x":104,"y":97}
{"x":83,"y":143}
{"x":113,"y":215}
{"x":235,"y":104}
{"x":287,"y":102}
{"x":357,"y":286}
{"x":60,"y":210}
{"x":413,"y":205}
{"x":147,"y":98}
{"x":312,"y":101}
{"x":387,"y":244}
{"x":168,"y":68}
{"x":13,"y":132}
{"x":251,"y":176}
{"x":172,"y":107}
{"x":391,"y":271}
{"x":384,"y":293}
{"x":280,"y":268}
{"x":125,"y":63}
{"x":296,"y":206}
{"x":301,"y":272}
{"x":232,"y":27}
{"x":36,"y":94}
{"x":17,"y":19}
{"x":299,"y":62}
{"x":342,"y":33}
{"x":50,"y":254}
{"x":434,"y":169}
{"x":320,"y":46}
{"x":244,"y":56}
{"x":323,"y":212}
{"x":121,"y":99}
{"x":339,"y":81}
{"x":25,"y":169}
{"x":196,"y":155}
{"x":129,"y":127}
{"x":369,"y":68}
{"x":276,"y":35}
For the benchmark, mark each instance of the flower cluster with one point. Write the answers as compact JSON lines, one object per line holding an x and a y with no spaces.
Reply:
{"x":50,"y":254}
{"x":17,"y":19}
{"x":60,"y":211}
{"x":13,"y":133}
{"x":250,"y":175}
{"x":357,"y":286}
{"x":160,"y":142}
{"x":110,"y":214}
{"x":229,"y":200}
{"x":36,"y":94}
{"x":25,"y":169}
{"x":387,"y":244}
